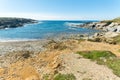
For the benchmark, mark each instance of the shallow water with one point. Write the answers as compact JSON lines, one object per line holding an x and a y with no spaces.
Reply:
{"x":44,"y":29}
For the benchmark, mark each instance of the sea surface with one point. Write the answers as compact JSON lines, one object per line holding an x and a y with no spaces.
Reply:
{"x":44,"y":30}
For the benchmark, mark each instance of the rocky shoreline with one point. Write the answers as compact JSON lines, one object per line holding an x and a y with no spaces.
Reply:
{"x":15,"y":22}
{"x":109,"y":29}
{"x":34,"y":60}
{"x":45,"y":59}
{"x":104,"y":26}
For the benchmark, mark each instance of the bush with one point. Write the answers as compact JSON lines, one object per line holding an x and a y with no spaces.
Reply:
{"x":59,"y":76}
{"x":64,"y":77}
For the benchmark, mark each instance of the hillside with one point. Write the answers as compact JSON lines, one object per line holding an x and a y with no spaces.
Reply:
{"x":14,"y":22}
{"x":116,"y":20}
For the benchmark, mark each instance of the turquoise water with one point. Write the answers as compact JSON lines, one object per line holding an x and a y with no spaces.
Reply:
{"x":44,"y":29}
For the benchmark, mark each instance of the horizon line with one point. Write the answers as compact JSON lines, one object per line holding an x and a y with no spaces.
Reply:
{"x":56,"y":19}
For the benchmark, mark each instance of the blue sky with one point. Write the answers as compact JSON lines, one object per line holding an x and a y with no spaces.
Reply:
{"x":60,"y":9}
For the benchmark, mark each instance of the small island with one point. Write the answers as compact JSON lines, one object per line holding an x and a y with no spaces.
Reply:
{"x":14,"y":22}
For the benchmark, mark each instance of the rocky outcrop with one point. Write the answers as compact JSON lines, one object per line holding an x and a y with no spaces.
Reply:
{"x":106,"y":37}
{"x":14,"y":22}
{"x":105,"y":26}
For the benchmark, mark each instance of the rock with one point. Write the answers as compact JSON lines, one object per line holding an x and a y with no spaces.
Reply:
{"x":113,"y":24}
{"x":99,"y":24}
{"x":104,"y":26}
{"x":110,"y":34}
{"x":96,"y":34}
{"x":118,"y":29}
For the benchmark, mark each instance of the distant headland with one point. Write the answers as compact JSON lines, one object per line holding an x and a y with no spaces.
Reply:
{"x":14,"y":22}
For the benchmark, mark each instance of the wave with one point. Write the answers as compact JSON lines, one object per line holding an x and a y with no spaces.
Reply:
{"x":18,"y":40}
{"x":72,"y":28}
{"x":40,"y":22}
{"x":72,"y":24}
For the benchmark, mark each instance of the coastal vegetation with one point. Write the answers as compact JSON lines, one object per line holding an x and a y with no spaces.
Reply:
{"x":103,"y":58}
{"x":59,"y":76}
{"x":116,"y":20}
{"x":64,"y":59}
{"x":58,"y":60}
{"x":14,"y":22}
{"x":96,"y":55}
{"x":64,"y":77}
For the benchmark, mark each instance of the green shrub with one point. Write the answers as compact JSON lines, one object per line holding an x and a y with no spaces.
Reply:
{"x":64,"y":77}
{"x":104,"y":58}
{"x":59,"y":76}
{"x":46,"y":77}
{"x":96,"y":55}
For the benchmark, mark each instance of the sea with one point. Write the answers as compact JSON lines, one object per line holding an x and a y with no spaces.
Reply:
{"x":44,"y":30}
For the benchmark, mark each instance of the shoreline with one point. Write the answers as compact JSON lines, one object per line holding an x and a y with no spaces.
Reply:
{"x":34,"y":46}
{"x":19,"y":40}
{"x":42,"y":39}
{"x":45,"y":57}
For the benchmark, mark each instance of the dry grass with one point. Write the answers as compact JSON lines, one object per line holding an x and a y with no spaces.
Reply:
{"x":48,"y":61}
{"x":105,"y":58}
